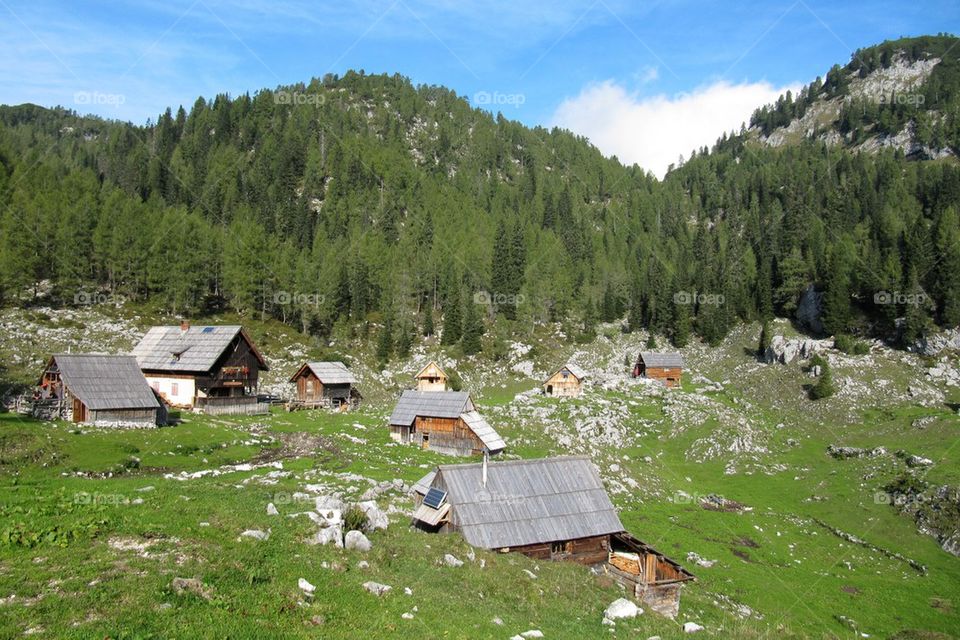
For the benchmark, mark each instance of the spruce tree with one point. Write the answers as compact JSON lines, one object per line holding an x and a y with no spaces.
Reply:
{"x":452,"y":327}
{"x":385,"y":342}
{"x":680,"y":335}
{"x":428,"y":320}
{"x":472,"y":330}
{"x":764,"y":339}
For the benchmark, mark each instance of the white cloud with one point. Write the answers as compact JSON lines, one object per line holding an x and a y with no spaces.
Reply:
{"x":654,"y":131}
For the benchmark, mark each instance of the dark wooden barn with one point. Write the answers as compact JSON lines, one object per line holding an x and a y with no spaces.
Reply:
{"x":326,"y":384}
{"x":101,"y":390}
{"x":665,"y":367}
{"x":214,"y":368}
{"x":549,"y":509}
{"x":443,"y":421}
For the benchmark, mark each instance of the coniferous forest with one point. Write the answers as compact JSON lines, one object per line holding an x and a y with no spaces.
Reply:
{"x":363,"y":198}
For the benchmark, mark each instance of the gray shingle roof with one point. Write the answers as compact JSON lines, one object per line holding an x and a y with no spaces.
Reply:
{"x":433,"y":404}
{"x":528,"y":501}
{"x":105,"y":382}
{"x":577,"y":372}
{"x":670,"y":359}
{"x":487,"y":434}
{"x":195,"y":350}
{"x":422,"y":485}
{"x":332,"y":372}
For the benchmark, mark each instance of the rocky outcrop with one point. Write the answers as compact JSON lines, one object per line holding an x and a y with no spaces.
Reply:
{"x":786,"y":350}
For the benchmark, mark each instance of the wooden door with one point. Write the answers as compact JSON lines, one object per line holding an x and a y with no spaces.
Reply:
{"x":79,"y":411}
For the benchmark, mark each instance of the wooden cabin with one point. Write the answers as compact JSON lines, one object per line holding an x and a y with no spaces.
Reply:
{"x":443,"y":421}
{"x":431,"y":378}
{"x":666,"y":367}
{"x":213,"y":369}
{"x":100,"y":390}
{"x":326,"y":384}
{"x":567,"y":382}
{"x":549,"y":509}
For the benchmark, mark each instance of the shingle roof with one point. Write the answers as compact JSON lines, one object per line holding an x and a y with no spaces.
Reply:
{"x":430,"y":364}
{"x":195,"y":349}
{"x":433,"y":404}
{"x":670,"y":359}
{"x":487,"y":434}
{"x":422,"y":485}
{"x":329,"y":372}
{"x":577,"y":372}
{"x":528,"y":501}
{"x":104,"y":382}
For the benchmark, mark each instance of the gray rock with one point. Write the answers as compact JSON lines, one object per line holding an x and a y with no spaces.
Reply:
{"x":376,"y":519}
{"x":452,"y":561}
{"x":272,"y":510}
{"x":357,"y":541}
{"x":376,"y":588}
{"x":326,"y":535}
{"x":532,"y":633}
{"x":622,"y":608}
{"x":691,"y":627}
{"x":256,"y":534}
{"x":306,"y":587}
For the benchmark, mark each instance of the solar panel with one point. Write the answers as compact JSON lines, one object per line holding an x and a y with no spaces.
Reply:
{"x":434,"y":498}
{"x":207,"y":330}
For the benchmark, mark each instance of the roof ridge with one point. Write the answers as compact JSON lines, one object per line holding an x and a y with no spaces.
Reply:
{"x":499,"y":463}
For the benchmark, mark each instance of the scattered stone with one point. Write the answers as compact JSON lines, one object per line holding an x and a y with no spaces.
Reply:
{"x":306,"y":587}
{"x":327,"y":535}
{"x":695,"y":558}
{"x":191,"y":585}
{"x":376,"y":588}
{"x":363,"y":564}
{"x":497,"y":621}
{"x":256,"y":534}
{"x":407,"y":616}
{"x":691,"y":627}
{"x":918,"y":461}
{"x":357,"y":541}
{"x":531,"y":574}
{"x":452,"y":561}
{"x":137,"y":501}
{"x":622,"y":608}
{"x":146,"y":489}
{"x":408,"y":591}
{"x":376,"y":519}
{"x":272,"y":510}
{"x":532,"y":633}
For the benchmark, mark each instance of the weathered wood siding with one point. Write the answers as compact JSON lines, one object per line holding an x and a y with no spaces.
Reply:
{"x":588,"y":551}
{"x":450,"y":436}
{"x":559,"y":385}
{"x":670,"y":376}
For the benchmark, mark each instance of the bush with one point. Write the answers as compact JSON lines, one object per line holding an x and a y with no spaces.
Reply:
{"x":354,"y":519}
{"x":850,"y":345}
{"x":824,"y":387}
{"x":454,"y":381}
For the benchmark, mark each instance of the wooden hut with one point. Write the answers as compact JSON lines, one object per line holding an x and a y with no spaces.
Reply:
{"x":666,"y":367}
{"x":101,"y":390}
{"x":431,"y":378}
{"x":443,"y":421}
{"x":326,"y":384}
{"x":567,"y":381}
{"x":214,"y":369}
{"x":549,"y":509}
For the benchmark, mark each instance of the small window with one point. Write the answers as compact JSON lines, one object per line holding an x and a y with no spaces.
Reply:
{"x":560,"y":547}
{"x":175,"y":388}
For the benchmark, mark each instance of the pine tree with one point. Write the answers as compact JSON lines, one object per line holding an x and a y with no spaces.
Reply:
{"x":404,"y":342}
{"x":680,"y":336}
{"x":472,"y":330}
{"x":385,"y":342}
{"x":428,"y":320}
{"x":651,"y":341}
{"x":452,"y":327}
{"x":824,"y":388}
{"x":764,"y":340}
{"x":836,"y":298}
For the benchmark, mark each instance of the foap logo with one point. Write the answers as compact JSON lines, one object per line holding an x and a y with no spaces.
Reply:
{"x":88,"y":298}
{"x":305,"y":299}
{"x":899,"y":499}
{"x":507,"y":499}
{"x":499,"y":299}
{"x":97,"y":98}
{"x":498,"y":99}
{"x":698,"y":298}
{"x":298,"y":98}
{"x":896,"y":297}
{"x":96,"y":498}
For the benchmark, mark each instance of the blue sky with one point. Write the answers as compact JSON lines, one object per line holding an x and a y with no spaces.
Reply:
{"x":562,"y":62}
